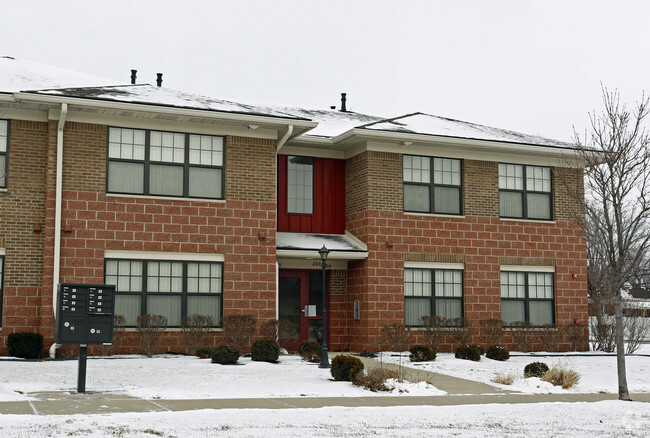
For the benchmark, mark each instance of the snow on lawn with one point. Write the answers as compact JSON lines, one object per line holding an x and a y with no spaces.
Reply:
{"x":575,"y":420}
{"x":597,"y":370}
{"x":187,"y":377}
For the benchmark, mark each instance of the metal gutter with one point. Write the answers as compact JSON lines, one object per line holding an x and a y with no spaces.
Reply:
{"x":169,"y":110}
{"x":313,"y":254}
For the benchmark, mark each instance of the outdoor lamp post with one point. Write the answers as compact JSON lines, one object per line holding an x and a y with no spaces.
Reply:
{"x":324,"y":361}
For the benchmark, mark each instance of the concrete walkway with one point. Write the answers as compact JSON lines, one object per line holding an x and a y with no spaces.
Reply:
{"x":460,"y":392}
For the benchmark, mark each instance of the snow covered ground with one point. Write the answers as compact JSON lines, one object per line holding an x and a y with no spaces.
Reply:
{"x":174,"y":377}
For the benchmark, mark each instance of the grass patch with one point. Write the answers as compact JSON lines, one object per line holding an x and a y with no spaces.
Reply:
{"x":561,"y":375}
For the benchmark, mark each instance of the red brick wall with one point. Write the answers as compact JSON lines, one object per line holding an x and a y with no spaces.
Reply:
{"x":99,"y":222}
{"x":480,"y":240}
{"x":22,"y":206}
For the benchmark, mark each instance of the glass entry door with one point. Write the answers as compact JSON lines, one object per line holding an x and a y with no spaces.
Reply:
{"x":297,"y":290}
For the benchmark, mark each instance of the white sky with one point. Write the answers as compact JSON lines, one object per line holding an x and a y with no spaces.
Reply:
{"x":529,"y":66}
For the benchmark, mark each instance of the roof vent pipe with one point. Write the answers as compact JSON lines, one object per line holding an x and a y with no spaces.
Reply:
{"x":343,"y":99}
{"x":159,"y":79}
{"x":134,"y":74}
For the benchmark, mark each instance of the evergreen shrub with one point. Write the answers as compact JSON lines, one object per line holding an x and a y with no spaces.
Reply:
{"x":310,"y":351}
{"x":497,"y":352}
{"x":422,"y":353}
{"x":343,"y":365}
{"x":535,"y":369}
{"x":265,"y":350}
{"x":225,"y":355}
{"x":26,"y":345}
{"x":469,"y":352}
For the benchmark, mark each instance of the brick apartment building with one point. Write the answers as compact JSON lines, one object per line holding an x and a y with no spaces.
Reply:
{"x":192,"y":205}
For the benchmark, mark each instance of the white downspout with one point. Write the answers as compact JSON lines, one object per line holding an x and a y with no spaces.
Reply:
{"x":57,"y":215}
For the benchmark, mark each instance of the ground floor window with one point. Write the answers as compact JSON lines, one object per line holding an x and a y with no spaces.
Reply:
{"x":174,"y":289}
{"x":527,"y":297}
{"x":432,"y":292}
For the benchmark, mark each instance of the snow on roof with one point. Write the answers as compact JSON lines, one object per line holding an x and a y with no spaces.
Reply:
{"x":304,"y":241}
{"x":19,"y":75}
{"x":426,"y":124}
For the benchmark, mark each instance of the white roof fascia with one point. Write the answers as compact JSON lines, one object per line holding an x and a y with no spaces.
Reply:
{"x":312,"y":152}
{"x":336,"y":255}
{"x":161,"y":109}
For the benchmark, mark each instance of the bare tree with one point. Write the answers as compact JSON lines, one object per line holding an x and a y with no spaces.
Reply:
{"x":616,"y":208}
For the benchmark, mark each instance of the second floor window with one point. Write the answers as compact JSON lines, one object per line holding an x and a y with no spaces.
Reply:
{"x":4,"y":163}
{"x":300,"y":185}
{"x":524,"y":191}
{"x":432,"y":185}
{"x":165,"y":163}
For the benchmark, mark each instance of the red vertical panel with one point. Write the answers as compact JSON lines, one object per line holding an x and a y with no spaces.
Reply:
{"x":329,"y":199}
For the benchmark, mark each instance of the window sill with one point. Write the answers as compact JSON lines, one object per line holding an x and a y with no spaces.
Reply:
{"x":171,"y":330}
{"x":436,"y":215}
{"x":165,"y":198}
{"x":534,"y":221}
{"x":3,"y":190}
{"x":442,"y":329}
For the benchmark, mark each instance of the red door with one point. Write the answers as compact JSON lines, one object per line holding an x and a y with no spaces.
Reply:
{"x":297,"y":290}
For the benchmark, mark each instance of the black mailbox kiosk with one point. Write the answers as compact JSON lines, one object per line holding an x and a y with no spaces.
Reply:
{"x":84,"y":316}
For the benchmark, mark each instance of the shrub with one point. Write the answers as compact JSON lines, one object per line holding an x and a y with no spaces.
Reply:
{"x":196,"y":329}
{"x":433,"y":330}
{"x":203,"y":352}
{"x":492,"y":331}
{"x":422,"y":353}
{"x":522,"y":335}
{"x":310,"y":351}
{"x":265,"y":350}
{"x":469,"y":352}
{"x":26,"y":345}
{"x":535,"y":369}
{"x":461,"y":330}
{"x":150,"y":329}
{"x":283,"y":330}
{"x":375,"y":379}
{"x":497,"y":352}
{"x":504,"y":379}
{"x":225,"y":355}
{"x":562,"y":376}
{"x":549,"y":337}
{"x":239,"y":331}
{"x":395,"y":337}
{"x":342,"y":365}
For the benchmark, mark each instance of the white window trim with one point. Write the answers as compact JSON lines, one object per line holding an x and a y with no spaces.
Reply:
{"x":2,"y":251}
{"x":433,"y":265}
{"x":159,"y":255}
{"x":523,"y":268}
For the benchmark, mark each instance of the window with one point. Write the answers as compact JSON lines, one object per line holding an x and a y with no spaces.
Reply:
{"x":527,"y":297}
{"x":174,"y":289}
{"x":165,"y":164}
{"x":430,"y":292}
{"x":524,"y":191}
{"x":4,"y":148}
{"x":2,"y":266}
{"x":300,"y":185}
{"x":431,"y":185}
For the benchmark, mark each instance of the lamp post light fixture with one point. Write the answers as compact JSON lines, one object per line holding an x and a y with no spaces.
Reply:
{"x":324,"y":360}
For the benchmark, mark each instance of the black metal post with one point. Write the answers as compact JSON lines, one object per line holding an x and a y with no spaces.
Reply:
{"x":324,"y":360}
{"x":81,"y":373}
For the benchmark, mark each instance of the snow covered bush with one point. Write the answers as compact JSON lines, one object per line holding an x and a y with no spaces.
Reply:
{"x":225,"y":355}
{"x":342,"y":366}
{"x":535,"y":369}
{"x":422,"y":353}
{"x":310,"y":351}
{"x":25,"y":345}
{"x":497,"y":352}
{"x":375,"y":379}
{"x":469,"y":352}
{"x":265,"y":350}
